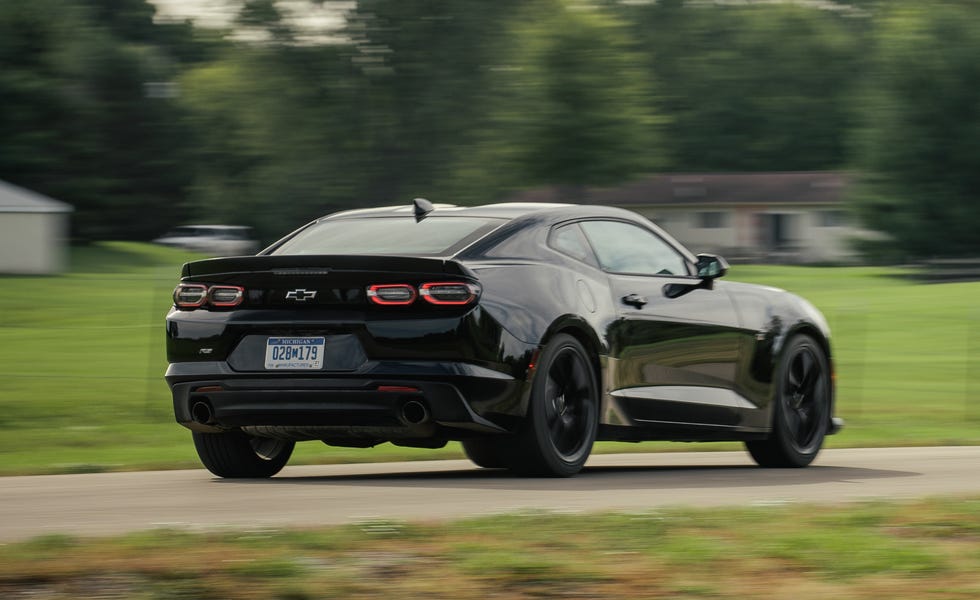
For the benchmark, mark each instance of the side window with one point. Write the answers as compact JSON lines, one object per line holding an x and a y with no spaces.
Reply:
{"x":569,"y":239}
{"x":712,"y":219}
{"x":627,"y":248}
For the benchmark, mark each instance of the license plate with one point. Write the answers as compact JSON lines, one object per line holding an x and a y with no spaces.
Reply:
{"x":294,"y":352}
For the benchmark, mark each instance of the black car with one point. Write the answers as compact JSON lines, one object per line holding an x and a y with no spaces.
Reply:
{"x":527,"y":331}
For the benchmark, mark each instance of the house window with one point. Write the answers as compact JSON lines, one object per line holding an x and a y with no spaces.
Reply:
{"x":712,"y":219}
{"x":832,"y":218}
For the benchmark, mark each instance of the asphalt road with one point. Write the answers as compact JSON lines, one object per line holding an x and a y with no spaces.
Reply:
{"x":109,"y":503}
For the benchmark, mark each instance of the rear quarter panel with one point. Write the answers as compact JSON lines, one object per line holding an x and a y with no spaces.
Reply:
{"x":533,"y":301}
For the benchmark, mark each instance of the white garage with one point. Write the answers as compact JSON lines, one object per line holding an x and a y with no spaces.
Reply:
{"x":33,"y":232}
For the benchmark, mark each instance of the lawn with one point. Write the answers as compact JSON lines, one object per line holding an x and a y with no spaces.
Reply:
{"x":925,"y":549}
{"x":82,"y":359}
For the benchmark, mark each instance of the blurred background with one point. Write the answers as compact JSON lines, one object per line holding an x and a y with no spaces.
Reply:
{"x":829,"y":147}
{"x":142,"y":115}
{"x":809,"y":131}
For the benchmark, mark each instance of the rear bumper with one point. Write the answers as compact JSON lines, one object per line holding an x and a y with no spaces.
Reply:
{"x":391,"y":401}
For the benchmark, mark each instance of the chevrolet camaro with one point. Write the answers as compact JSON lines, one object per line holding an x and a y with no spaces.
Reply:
{"x":525,"y":331}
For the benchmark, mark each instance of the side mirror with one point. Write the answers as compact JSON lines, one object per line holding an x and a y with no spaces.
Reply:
{"x":711,"y":267}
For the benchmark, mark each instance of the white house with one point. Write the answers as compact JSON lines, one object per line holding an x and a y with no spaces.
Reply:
{"x":767,"y":217}
{"x":33,"y":232}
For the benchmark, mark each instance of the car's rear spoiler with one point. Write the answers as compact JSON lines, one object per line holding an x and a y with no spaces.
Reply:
{"x":321,"y":265}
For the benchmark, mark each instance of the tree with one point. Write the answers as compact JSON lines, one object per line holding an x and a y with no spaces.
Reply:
{"x":287,"y":131}
{"x":569,"y":104}
{"x":275,"y":144}
{"x":766,"y":87}
{"x":36,"y":59}
{"x":77,"y":121}
{"x":424,"y":73}
{"x":919,"y":143}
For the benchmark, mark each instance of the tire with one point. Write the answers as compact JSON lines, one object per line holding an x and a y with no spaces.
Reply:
{"x":801,"y":407}
{"x":557,"y":435}
{"x":234,"y":454}
{"x":489,"y":453}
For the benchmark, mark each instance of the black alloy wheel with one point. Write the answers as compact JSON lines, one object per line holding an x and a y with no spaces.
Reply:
{"x":801,"y":411}
{"x":234,"y":454}
{"x":563,"y":416}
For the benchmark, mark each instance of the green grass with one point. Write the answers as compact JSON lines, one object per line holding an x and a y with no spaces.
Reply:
{"x":926,"y":549}
{"x":907,"y":354}
{"x":82,"y":362}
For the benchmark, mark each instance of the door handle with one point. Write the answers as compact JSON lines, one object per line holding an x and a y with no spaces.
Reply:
{"x":634,"y":300}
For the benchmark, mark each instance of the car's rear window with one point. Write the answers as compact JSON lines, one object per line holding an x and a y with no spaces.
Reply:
{"x":434,"y":236}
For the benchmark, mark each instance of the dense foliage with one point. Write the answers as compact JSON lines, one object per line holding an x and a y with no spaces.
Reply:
{"x":921,"y":136}
{"x":143,"y":123}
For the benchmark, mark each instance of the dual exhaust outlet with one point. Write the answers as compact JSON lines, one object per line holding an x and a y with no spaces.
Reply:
{"x":201,"y":413}
{"x":413,"y":412}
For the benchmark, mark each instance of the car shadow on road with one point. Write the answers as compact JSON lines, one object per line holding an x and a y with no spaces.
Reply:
{"x":596,"y":478}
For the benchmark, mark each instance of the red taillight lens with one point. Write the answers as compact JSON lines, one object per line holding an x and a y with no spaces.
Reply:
{"x":196,"y":295}
{"x":393,"y":294}
{"x":225,"y":295}
{"x":449,"y":293}
{"x":190,"y":295}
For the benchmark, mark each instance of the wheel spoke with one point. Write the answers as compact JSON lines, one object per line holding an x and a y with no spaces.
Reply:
{"x":807,"y":360}
{"x":803,"y":431}
{"x":556,"y":428}
{"x":795,"y":377}
{"x":789,"y":388}
{"x":817,"y":391}
{"x":809,"y":370}
{"x":578,"y":378}
{"x":560,"y":369}
{"x":793,"y":421}
{"x":552,"y":390}
{"x":565,"y":437}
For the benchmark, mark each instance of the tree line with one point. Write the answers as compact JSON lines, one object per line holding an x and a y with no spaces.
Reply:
{"x":143,"y":124}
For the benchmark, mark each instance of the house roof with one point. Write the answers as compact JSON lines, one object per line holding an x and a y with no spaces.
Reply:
{"x":19,"y":200}
{"x":687,"y":189}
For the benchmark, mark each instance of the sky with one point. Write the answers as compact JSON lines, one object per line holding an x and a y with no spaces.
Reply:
{"x":316,"y":18}
{"x":207,"y":13}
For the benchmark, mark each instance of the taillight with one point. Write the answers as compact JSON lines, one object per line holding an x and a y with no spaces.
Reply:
{"x":196,"y":295}
{"x":445,"y":293}
{"x":225,"y":295}
{"x":190,"y":295}
{"x":393,"y":294}
{"x":449,"y":293}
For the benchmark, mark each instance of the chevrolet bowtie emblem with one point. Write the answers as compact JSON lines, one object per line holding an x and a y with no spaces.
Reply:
{"x":300,"y":295}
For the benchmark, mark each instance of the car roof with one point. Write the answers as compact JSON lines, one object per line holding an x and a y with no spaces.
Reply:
{"x":504,"y":210}
{"x":514,"y":216}
{"x":214,"y":226}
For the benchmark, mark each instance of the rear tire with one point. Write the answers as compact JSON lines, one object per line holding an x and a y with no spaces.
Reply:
{"x":234,"y":454}
{"x":556,"y":437}
{"x":801,"y":408}
{"x":489,"y":453}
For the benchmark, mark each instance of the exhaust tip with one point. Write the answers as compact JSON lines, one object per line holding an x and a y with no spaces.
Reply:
{"x":201,"y":413}
{"x":414,"y":412}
